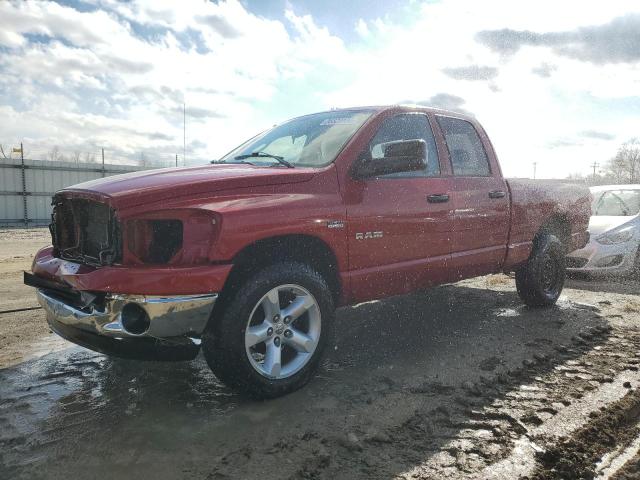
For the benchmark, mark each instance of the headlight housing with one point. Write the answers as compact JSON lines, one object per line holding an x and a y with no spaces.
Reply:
{"x":617,"y":235}
{"x":154,"y":241}
{"x":173,"y":237}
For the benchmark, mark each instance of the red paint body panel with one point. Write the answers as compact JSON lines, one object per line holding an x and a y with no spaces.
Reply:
{"x":535,"y":201}
{"x":226,"y":208}
{"x":142,"y":280}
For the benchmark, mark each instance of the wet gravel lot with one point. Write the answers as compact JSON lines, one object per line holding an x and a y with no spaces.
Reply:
{"x":460,"y":381}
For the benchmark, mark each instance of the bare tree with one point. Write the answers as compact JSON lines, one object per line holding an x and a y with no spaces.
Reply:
{"x":575,"y":176}
{"x":55,"y":155}
{"x":75,"y":156}
{"x":90,"y":157}
{"x":625,"y":166}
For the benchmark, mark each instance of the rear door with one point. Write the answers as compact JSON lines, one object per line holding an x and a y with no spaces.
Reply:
{"x":398,"y":237}
{"x":481,"y":204}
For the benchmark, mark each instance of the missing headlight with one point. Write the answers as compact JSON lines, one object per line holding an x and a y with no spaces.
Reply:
{"x":154,"y":241}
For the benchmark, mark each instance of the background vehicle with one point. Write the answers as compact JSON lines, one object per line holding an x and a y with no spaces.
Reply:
{"x":250,"y":257}
{"x":614,"y":247}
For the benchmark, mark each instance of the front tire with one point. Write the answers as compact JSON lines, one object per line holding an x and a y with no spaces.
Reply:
{"x":268,"y":338}
{"x":540,"y":281}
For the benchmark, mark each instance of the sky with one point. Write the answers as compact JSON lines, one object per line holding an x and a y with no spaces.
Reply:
{"x":553,"y":82}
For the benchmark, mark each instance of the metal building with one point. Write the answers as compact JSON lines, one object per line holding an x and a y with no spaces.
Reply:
{"x":26,"y":188}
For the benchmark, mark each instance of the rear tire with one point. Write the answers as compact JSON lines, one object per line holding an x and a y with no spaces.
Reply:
{"x":268,"y":338}
{"x":635,"y":273}
{"x":540,"y":281}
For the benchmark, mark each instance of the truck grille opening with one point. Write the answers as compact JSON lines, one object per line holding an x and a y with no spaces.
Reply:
{"x":85,"y":231}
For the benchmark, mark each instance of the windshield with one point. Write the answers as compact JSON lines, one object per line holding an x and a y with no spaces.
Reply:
{"x":309,"y":141}
{"x":617,"y":203}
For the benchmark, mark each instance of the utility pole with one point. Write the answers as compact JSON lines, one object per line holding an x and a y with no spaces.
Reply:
{"x":103,"y":162}
{"x":176,"y":159}
{"x":184,"y":133}
{"x":24,"y":187}
{"x":534,"y":169}
{"x":594,"y":165}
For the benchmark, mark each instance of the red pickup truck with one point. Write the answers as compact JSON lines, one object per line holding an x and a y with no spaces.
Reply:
{"x":247,"y":258}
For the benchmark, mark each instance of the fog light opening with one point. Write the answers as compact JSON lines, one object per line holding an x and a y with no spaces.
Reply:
{"x":134,"y":319}
{"x":610,"y":261}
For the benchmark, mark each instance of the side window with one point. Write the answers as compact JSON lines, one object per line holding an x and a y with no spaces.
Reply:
{"x":610,"y":205}
{"x":618,"y":203}
{"x":410,"y":126}
{"x":466,"y":151}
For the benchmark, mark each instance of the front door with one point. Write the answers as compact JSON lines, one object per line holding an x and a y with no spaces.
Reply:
{"x":399,"y":224}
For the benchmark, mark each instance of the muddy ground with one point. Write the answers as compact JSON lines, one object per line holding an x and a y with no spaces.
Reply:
{"x":20,"y":329}
{"x":459,"y":381}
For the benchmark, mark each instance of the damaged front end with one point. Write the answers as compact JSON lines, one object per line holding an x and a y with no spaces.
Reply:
{"x":93,"y":299}
{"x":85,"y":231}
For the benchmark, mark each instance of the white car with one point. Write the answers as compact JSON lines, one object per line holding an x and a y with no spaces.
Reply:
{"x":614,"y":246}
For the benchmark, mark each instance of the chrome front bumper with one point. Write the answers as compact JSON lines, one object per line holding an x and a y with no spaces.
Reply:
{"x":174,"y":323}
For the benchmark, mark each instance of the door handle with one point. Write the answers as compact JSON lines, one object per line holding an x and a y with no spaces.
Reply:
{"x":438,"y":198}
{"x":497,"y":194}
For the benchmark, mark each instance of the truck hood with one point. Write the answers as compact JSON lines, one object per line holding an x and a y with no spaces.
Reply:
{"x":136,"y":188}
{"x":602,"y":223}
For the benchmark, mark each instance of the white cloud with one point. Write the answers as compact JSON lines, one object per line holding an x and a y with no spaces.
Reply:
{"x":118,"y":75}
{"x":361,"y":28}
{"x":523,"y":112}
{"x":104,"y":59}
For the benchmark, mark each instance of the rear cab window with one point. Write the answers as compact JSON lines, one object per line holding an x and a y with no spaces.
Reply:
{"x":467,"y":154}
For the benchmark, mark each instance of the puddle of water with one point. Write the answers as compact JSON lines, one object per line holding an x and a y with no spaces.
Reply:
{"x":76,"y":392}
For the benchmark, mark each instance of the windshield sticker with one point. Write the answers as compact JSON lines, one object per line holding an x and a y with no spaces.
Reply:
{"x":338,"y":121}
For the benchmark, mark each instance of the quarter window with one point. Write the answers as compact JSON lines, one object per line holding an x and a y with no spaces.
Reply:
{"x":410,"y":126}
{"x":468,"y":157}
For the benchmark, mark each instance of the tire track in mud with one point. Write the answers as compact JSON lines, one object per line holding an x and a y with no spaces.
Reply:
{"x":577,"y":456}
{"x":630,"y":470}
{"x":529,"y":410}
{"x":464,"y":436}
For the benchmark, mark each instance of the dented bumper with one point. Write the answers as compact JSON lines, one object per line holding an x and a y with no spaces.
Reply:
{"x":168,"y":331}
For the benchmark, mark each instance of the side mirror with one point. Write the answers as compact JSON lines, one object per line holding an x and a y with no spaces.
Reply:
{"x":398,"y":157}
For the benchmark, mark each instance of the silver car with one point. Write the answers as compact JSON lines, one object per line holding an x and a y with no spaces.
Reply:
{"x":614,"y":246}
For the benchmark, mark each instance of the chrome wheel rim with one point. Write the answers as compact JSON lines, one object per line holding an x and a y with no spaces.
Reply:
{"x":283,"y":331}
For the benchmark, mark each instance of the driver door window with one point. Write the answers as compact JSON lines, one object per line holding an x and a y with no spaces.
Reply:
{"x":407,"y":127}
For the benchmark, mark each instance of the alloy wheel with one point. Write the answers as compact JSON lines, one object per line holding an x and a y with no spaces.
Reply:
{"x":283,"y":331}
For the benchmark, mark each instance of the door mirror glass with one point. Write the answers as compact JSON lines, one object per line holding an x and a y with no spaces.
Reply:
{"x":405,"y":148}
{"x":402,"y":156}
